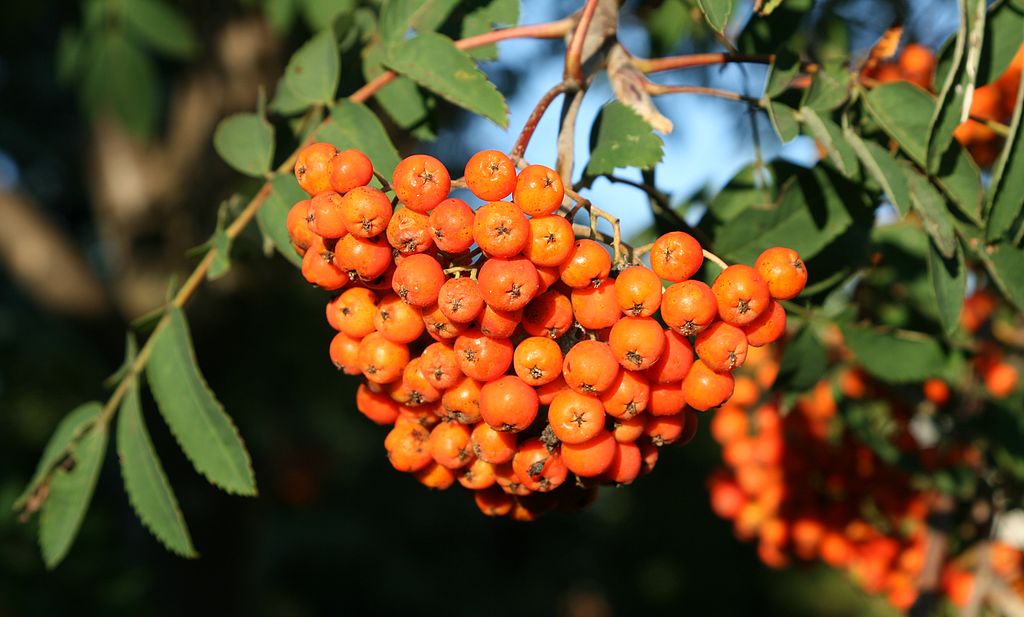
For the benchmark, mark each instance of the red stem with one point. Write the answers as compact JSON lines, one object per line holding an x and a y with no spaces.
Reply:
{"x":656,"y":65}
{"x":535,"y":116}
{"x":574,"y":55}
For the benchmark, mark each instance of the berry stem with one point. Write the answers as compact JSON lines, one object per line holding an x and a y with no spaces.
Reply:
{"x":715,"y":259}
{"x":574,"y":54}
{"x":671,"y":63}
{"x":661,"y":89}
{"x":519,"y":149}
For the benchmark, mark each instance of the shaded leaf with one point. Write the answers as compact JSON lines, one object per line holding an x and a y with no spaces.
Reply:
{"x":246,"y":142}
{"x":830,"y":136}
{"x":717,"y":12}
{"x":804,"y":361}
{"x":894,"y":356}
{"x":273,"y":214}
{"x":784,"y":121}
{"x":433,"y":61}
{"x":622,"y":138}
{"x":931,"y":207}
{"x":145,"y":482}
{"x":121,"y":80}
{"x":1002,"y":39}
{"x":747,"y":189}
{"x":312,"y":73}
{"x":70,"y":494}
{"x":204,"y":431}
{"x":401,"y":99}
{"x":484,"y":18}
{"x":161,"y":26}
{"x":783,"y":69}
{"x":828,"y":89}
{"x":884,"y":168}
{"x":1005,"y":197}
{"x":948,"y":276}
{"x":320,"y":14}
{"x":355,"y":126}
{"x":69,"y":428}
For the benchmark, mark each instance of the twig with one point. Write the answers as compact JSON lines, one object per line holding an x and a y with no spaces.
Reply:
{"x":997,"y":127}
{"x":567,"y":136}
{"x":519,"y":149}
{"x":660,"y":89}
{"x":670,"y":63}
{"x":574,"y":55}
{"x":715,"y":259}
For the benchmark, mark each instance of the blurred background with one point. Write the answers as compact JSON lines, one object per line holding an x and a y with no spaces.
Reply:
{"x":97,"y":212}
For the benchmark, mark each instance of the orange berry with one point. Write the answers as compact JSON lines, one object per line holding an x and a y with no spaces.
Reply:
{"x":493,"y":501}
{"x":590,"y":367}
{"x":490,"y":175}
{"x":437,"y":477}
{"x":494,"y":447}
{"x":575,"y":417}
{"x":783,"y":271}
{"x":418,"y":279}
{"x":637,"y":342}
{"x":352,"y":312}
{"x":407,"y":447}
{"x":666,"y":399}
{"x":344,"y":352}
{"x":366,"y":211}
{"x":326,"y":215}
{"x":537,"y":468}
{"x":638,"y":291}
{"x":409,"y":232}
{"x":497,"y":323}
{"x":301,"y":235}
{"x":440,"y":366}
{"x":460,"y":299}
{"x":461,"y":401}
{"x":481,"y":357}
{"x":381,"y":360}
{"x":397,"y":321}
{"x":703,"y":388}
{"x":418,"y":389}
{"x":538,"y":190}
{"x":630,"y":429}
{"x":546,"y":393}
{"x":689,"y":307}
{"x":376,"y":406}
{"x":729,"y":424}
{"x":917,"y":63}
{"x":595,"y":307}
{"x":451,"y":225}
{"x":551,"y":240}
{"x":508,"y":284}
{"x":1001,"y":379}
{"x":628,"y":395}
{"x":676,"y":256}
{"x":936,"y":391}
{"x":365,"y":258}
{"x":449,"y":445}
{"x":741,"y":293}
{"x":590,"y":458}
{"x":675,"y":360}
{"x":421,"y":182}
{"x":768,"y":327}
{"x":508,"y":404}
{"x":319,"y":267}
{"x":477,"y":475}
{"x":438,"y":326}
{"x":311,"y":167}
{"x":726,"y":497}
{"x":625,"y":465}
{"x":587,"y":265}
{"x":501,"y":229}
{"x":722,"y":347}
{"x":549,"y":314}
{"x":537,"y":360}
{"x":349,"y":169}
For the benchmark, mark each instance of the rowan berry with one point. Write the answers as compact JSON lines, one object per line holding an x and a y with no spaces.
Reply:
{"x":546,"y":393}
{"x":625,"y":465}
{"x":311,"y":167}
{"x":590,"y":367}
{"x":319,"y":267}
{"x":461,"y":401}
{"x":917,"y":63}
{"x":497,"y":323}
{"x":538,"y":190}
{"x":349,"y":169}
{"x":365,"y":210}
{"x":666,"y":400}
{"x":397,"y":321}
{"x":537,"y":360}
{"x":494,"y":447}
{"x":729,"y":424}
{"x":419,"y":389}
{"x":675,"y":360}
{"x":418,"y":279}
{"x":768,"y":327}
{"x":501,"y":229}
{"x":676,"y":256}
{"x":665,"y":430}
{"x":344,"y":352}
{"x":409,"y":232}
{"x":628,"y":395}
{"x":587,"y":265}
{"x":703,"y":388}
{"x":638,"y":291}
{"x":451,"y":225}
{"x":421,"y":182}
{"x":936,"y":391}
{"x":638,"y":342}
{"x":438,"y":326}
{"x":505,"y":477}
{"x":590,"y":458}
{"x":407,"y":446}
{"x":1001,"y":379}
{"x":478,"y":475}
{"x":595,"y":307}
{"x":460,"y":299}
{"x":575,"y":417}
{"x":435,"y":476}
{"x":549,"y":314}
{"x":490,"y":175}
{"x":537,"y":468}
{"x":449,"y":445}
{"x":381,"y":360}
{"x":783,"y":271}
{"x":364,"y":258}
{"x":548,"y":276}
{"x":741,"y":294}
{"x":722,"y":347}
{"x":630,"y":429}
{"x":493,"y":501}
{"x":301,"y":235}
{"x":508,"y":284}
{"x":508,"y":404}
{"x":482,"y":357}
{"x":551,"y":240}
{"x":377,"y":406}
{"x":351,"y":312}
{"x":689,"y":307}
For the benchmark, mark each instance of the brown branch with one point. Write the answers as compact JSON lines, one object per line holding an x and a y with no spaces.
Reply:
{"x":671,"y":63}
{"x":574,"y":55}
{"x":661,"y":89}
{"x":567,"y":136}
{"x":535,"y":116}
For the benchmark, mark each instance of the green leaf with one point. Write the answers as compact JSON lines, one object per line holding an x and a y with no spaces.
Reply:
{"x":896,"y":356}
{"x":717,"y":12}
{"x":884,"y":168}
{"x":949,"y":280}
{"x":161,"y":26}
{"x":220,"y":244}
{"x":273,"y":214}
{"x":747,"y":189}
{"x":830,"y":136}
{"x":484,"y":19}
{"x":312,"y":73}
{"x":397,"y":17}
{"x":145,"y":482}
{"x":622,"y":138}
{"x":121,"y":80}
{"x":804,"y":361}
{"x":953,"y":102}
{"x":246,"y":142}
{"x":783,"y":69}
{"x":1003,"y":28}
{"x":70,"y":493}
{"x":355,"y":126}
{"x":1004,"y":200}
{"x":204,"y":431}
{"x":320,"y":14}
{"x":280,"y":14}
{"x":433,"y":61}
{"x":828,"y":89}
{"x":401,"y":99}
{"x":69,"y":429}
{"x":931,"y":207}
{"x":903,"y":110}
{"x":784,"y":121}
{"x":1004,"y":262}
{"x":814,"y":209}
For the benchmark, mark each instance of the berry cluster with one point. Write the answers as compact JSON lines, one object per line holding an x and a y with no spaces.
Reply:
{"x":994,"y":101}
{"x":806,"y":487}
{"x":508,"y":353}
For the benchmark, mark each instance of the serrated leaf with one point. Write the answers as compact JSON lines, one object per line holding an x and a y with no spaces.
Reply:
{"x":121,"y":80}
{"x":69,"y":496}
{"x":204,"y":431}
{"x":398,"y":16}
{"x":484,"y":19}
{"x":68,"y":429}
{"x":320,"y":14}
{"x":246,"y":142}
{"x":955,"y":95}
{"x":895,"y":357}
{"x":931,"y":207}
{"x":948,"y":276}
{"x":903,"y":110}
{"x":884,"y":168}
{"x":717,"y":12}
{"x":813,"y":209}
{"x":784,"y":121}
{"x":273,"y":215}
{"x":622,"y":138}
{"x":145,"y":482}
{"x":401,"y":99}
{"x":1003,"y":260}
{"x":781,"y":72}
{"x":1003,"y":28}
{"x":433,"y":61}
{"x":161,"y":26}
{"x":828,"y":89}
{"x":1005,"y":197}
{"x":353,"y":125}
{"x":804,"y":361}
{"x":830,"y":136}
{"x":312,"y":73}
{"x":747,"y":189}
